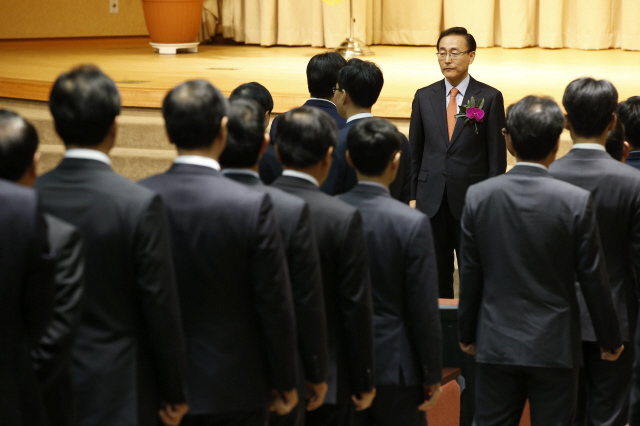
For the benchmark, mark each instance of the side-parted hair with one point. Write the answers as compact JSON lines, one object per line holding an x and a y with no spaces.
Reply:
{"x":18,"y":145}
{"x":246,"y":134}
{"x":629,"y":113}
{"x":589,"y":104}
{"x":322,"y":74}
{"x":615,"y":141}
{"x":461,"y":31}
{"x":193,"y":112}
{"x":304,"y":135}
{"x":534,"y":124}
{"x":84,"y":103}
{"x":255,"y":91}
{"x":372,"y":144}
{"x":362,"y":80}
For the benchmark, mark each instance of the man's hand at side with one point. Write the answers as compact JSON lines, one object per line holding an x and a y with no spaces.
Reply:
{"x":611,"y":355}
{"x":315,"y":394}
{"x":282,"y":402}
{"x":171,"y":414}
{"x":431,"y":395}
{"x":412,"y":204}
{"x":468,"y":348}
{"x":363,"y":400}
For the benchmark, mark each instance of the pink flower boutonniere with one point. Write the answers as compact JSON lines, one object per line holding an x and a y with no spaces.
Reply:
{"x":472,"y":113}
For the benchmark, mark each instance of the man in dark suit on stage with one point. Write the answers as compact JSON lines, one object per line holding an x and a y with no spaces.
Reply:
{"x":230,"y":269}
{"x":322,"y":74}
{"x":359,"y":85}
{"x":305,"y":138}
{"x":404,"y":280}
{"x":52,"y":355}
{"x":629,"y":113}
{"x":246,"y":142}
{"x":129,"y":358}
{"x":526,"y":237}
{"x":604,"y":387}
{"x":448,"y":154}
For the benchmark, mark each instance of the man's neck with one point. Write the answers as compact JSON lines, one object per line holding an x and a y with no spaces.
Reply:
{"x":104,"y":148}
{"x":253,"y":169}
{"x":200,"y":152}
{"x":352,"y":110}
{"x":383,"y":180}
{"x":459,"y":80}
{"x":601,"y":140}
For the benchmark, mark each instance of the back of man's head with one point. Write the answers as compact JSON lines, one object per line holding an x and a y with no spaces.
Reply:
{"x":304,"y":136}
{"x":322,"y":74}
{"x":246,"y":134}
{"x":84,"y":103}
{"x":255,"y":91}
{"x":362,"y":80}
{"x":629,"y":113}
{"x":372,"y":144}
{"x":589,"y":103}
{"x":615,"y":142}
{"x":193,"y":112}
{"x":534,"y":124}
{"x":18,"y":145}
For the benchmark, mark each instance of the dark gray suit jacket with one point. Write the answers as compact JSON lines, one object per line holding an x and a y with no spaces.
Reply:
{"x":404,"y":279}
{"x":469,"y":158}
{"x":234,"y":289}
{"x":26,"y":302}
{"x":298,"y":238}
{"x":347,"y":289}
{"x":615,"y":189}
{"x":129,"y":353}
{"x":525,"y":237}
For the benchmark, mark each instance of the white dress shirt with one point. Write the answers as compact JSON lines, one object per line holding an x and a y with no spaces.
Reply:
{"x":372,"y":183}
{"x":318,"y":99}
{"x":197,"y":160}
{"x":241,"y":172}
{"x":462,"y":89}
{"x":359,"y":116}
{"x":300,"y":175}
{"x":527,"y":163}
{"x":595,"y":146}
{"x":88,"y":154}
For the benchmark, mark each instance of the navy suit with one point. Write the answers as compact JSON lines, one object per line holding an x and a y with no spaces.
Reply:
{"x":633,"y":159}
{"x":342,"y":177}
{"x":270,"y":167}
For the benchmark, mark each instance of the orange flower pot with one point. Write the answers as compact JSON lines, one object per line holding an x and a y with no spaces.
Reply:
{"x":173,"y":21}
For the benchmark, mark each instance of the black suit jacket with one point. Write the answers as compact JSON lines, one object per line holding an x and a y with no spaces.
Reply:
{"x":270,"y":167}
{"x":53,"y":355}
{"x":633,"y":159}
{"x":296,"y":230}
{"x":342,"y":177}
{"x":525,"y":237}
{"x":234,"y":289}
{"x":615,"y":188}
{"x":26,"y":302}
{"x":404,"y":279}
{"x":129,"y":353}
{"x":469,"y":158}
{"x":347,"y":289}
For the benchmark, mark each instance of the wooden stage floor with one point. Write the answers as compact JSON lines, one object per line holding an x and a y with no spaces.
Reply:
{"x":28,"y":69}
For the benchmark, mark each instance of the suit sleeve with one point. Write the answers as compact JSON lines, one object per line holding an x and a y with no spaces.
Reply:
{"x":159,"y":301}
{"x":405,"y":192}
{"x":356,"y":305}
{"x":336,"y":179}
{"x":269,"y":167}
{"x":308,"y":297}
{"x":471,"y":278}
{"x":594,"y":281}
{"x":272,"y":290}
{"x":421,"y":300}
{"x":496,"y":145}
{"x":416,"y":142}
{"x":53,"y":355}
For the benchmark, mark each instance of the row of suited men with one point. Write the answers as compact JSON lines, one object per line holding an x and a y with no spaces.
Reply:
{"x":192,"y":299}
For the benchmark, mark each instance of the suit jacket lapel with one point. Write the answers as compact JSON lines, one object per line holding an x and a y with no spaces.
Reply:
{"x":472,"y":90}
{"x":439,"y":107}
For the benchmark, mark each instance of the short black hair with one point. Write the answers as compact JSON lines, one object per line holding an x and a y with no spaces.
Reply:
{"x":461,"y":31}
{"x":362,"y":80}
{"x":615,"y":141}
{"x":589,"y":104}
{"x":304,"y":135}
{"x":535,"y":124}
{"x":322,"y":74}
{"x":255,"y":91}
{"x":193,"y":112}
{"x":246,"y":134}
{"x":372,"y":143}
{"x":18,"y":145}
{"x":629,"y":113}
{"x":84,"y":103}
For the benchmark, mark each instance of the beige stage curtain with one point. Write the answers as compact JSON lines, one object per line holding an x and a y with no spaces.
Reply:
{"x":580,"y":24}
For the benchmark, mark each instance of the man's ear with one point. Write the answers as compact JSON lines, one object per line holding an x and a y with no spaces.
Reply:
{"x":265,"y":143}
{"x":275,"y":147}
{"x":626,"y":149}
{"x":472,"y":56}
{"x":395,"y":163}
{"x":221,"y":139}
{"x":567,"y":125}
{"x":329,"y":157}
{"x":507,"y":139}
{"x":612,"y":122}
{"x":349,"y":162}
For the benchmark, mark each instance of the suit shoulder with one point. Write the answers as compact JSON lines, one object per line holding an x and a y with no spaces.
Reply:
{"x":337,"y":207}
{"x":485,"y":87}
{"x":430,"y":87}
{"x":282,"y":198}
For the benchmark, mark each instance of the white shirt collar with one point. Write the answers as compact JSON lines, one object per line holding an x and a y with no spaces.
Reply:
{"x":88,"y":154}
{"x":527,"y":163}
{"x":372,"y":183}
{"x":319,"y":99}
{"x":462,"y":87}
{"x":232,"y":170}
{"x":300,"y":175}
{"x":588,"y":146}
{"x":197,"y":160}
{"x":359,"y":116}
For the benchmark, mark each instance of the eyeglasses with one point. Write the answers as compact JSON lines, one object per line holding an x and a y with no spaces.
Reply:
{"x":454,"y":55}
{"x":335,"y":89}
